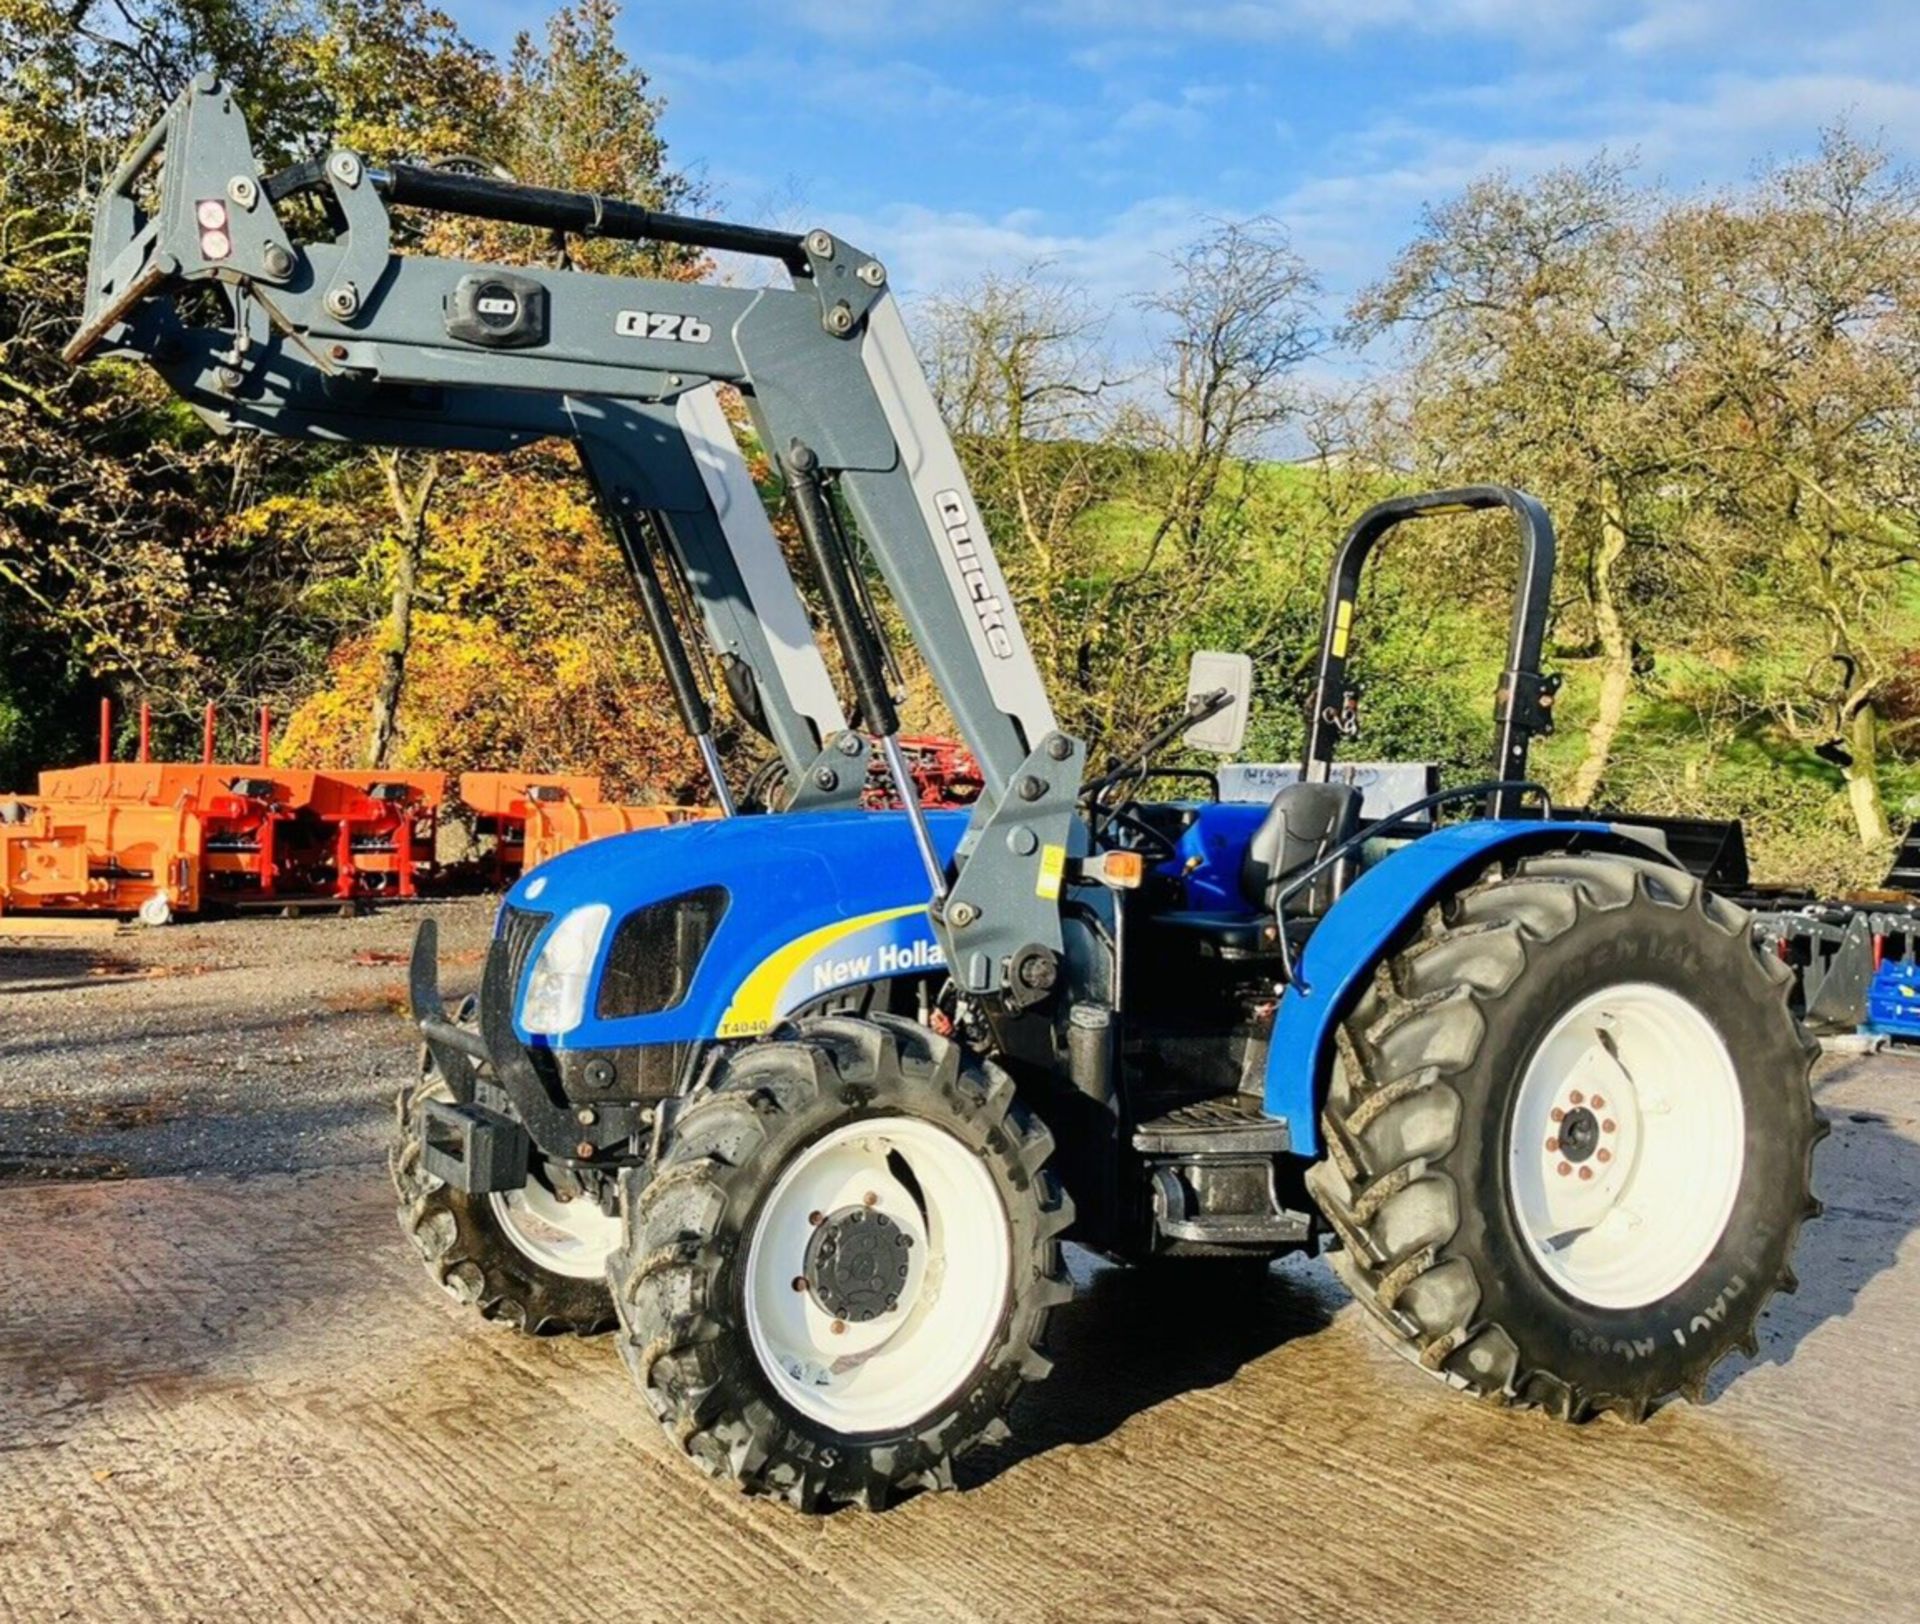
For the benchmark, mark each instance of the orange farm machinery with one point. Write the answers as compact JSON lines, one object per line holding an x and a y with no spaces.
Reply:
{"x":529,"y":817}
{"x":159,"y":839}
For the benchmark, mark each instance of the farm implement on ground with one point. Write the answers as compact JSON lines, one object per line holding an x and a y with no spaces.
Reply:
{"x":163,"y":840}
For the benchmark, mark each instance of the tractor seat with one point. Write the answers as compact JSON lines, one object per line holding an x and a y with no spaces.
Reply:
{"x":1303,"y":823}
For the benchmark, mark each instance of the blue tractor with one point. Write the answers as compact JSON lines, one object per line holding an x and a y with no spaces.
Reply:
{"x":803,"y":1103}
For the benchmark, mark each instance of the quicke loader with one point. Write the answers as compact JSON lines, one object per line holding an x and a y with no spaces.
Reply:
{"x":802,"y":1104}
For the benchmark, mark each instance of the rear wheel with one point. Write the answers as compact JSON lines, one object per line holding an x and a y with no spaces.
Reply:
{"x":1570,"y":1135}
{"x":838,"y":1276}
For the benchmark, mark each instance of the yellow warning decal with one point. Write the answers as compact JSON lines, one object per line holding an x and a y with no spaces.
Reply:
{"x":1053,"y":864}
{"x":1342,"y":625}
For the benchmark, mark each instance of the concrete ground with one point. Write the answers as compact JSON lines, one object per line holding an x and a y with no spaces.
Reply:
{"x":228,"y":1391}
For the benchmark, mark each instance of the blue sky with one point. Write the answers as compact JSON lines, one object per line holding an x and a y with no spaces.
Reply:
{"x":955,"y":136}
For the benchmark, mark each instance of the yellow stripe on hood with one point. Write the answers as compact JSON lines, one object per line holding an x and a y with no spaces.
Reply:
{"x":752,"y":1010}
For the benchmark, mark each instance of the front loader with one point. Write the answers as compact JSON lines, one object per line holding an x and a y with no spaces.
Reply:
{"x":805,"y":1104}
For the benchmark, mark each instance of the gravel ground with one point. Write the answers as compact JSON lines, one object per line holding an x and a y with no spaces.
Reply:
{"x":237,"y":1046}
{"x":227,"y":1390}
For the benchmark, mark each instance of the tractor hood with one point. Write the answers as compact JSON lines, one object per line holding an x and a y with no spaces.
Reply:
{"x":815,"y":902}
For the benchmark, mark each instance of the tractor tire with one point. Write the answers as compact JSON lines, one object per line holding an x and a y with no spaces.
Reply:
{"x":469,"y":1245}
{"x":1570,"y":1134}
{"x":773,"y":1287}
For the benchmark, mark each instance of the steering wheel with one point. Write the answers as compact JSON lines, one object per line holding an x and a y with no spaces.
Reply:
{"x":1154,"y":846}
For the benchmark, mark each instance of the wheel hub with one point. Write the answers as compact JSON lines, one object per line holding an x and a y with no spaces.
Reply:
{"x":844,"y":1336}
{"x":1579,"y":1135}
{"x":857,"y":1264}
{"x":1626,"y":1145}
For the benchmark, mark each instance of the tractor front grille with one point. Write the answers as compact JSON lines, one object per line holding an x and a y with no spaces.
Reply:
{"x":519,"y":929}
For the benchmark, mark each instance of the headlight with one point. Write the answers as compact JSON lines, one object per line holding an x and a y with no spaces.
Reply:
{"x":557,"y":987}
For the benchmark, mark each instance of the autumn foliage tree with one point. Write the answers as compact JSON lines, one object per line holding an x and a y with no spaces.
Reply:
{"x":527,"y":649}
{"x":1717,"y":395}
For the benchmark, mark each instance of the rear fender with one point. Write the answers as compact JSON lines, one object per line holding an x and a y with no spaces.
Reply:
{"x":1368,"y":921}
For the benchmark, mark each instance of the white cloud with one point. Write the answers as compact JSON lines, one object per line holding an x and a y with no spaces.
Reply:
{"x":882,"y":19}
{"x":930,"y":250}
{"x":1139,"y":104}
{"x":1333,"y":20}
{"x":1364,"y":202}
{"x":1684,"y":23}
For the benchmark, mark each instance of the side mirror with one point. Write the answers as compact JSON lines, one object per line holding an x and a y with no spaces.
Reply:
{"x":1226,"y":730}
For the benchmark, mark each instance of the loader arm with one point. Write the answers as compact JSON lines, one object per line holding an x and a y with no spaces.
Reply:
{"x":347,"y":340}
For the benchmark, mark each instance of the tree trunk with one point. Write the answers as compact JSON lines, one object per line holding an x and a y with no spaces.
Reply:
{"x":1863,"y":777}
{"x":1616,"y":653}
{"x":410,"y":532}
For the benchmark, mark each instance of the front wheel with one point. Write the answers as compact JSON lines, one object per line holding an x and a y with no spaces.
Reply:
{"x":1570,"y":1136}
{"x":529,"y":1258}
{"x":838,"y":1275}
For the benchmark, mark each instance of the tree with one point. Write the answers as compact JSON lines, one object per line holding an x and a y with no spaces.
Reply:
{"x":106,"y":484}
{"x":397,"y":79}
{"x":1017,"y":367}
{"x":1795,"y":312}
{"x":1534,"y":363}
{"x":572,"y":112}
{"x":579,"y":114}
{"x":1238,"y":319}
{"x":1126,"y":512}
{"x":1234,"y":324}
{"x":528,"y":653}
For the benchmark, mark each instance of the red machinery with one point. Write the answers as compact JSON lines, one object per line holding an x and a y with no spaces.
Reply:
{"x":101,"y":857}
{"x":382,"y":828}
{"x":166,"y":838}
{"x":944,"y":772}
{"x":160,"y":838}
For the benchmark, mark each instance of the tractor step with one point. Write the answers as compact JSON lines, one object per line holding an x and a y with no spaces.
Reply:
{"x":1231,"y":1123}
{"x":1211,"y":1166}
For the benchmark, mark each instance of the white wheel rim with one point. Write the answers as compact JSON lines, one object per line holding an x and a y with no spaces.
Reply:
{"x":1626,"y":1146}
{"x":572,"y":1238}
{"x":888,"y":1372}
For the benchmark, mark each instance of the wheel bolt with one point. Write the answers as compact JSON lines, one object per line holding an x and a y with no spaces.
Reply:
{"x":814,"y":1218}
{"x":1552,"y":1145}
{"x":1586,"y":1172}
{"x":1565,"y":1168}
{"x":1598,"y":1103}
{"x":1558,"y":1114}
{"x":1604,"y":1154}
{"x":1577,"y":1097}
{"x":838,"y":1327}
{"x":799,"y":1282}
{"x":1608,"y":1125}
{"x":870,"y":1199}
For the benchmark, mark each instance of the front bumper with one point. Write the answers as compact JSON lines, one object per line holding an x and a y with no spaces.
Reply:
{"x":495,"y":1079}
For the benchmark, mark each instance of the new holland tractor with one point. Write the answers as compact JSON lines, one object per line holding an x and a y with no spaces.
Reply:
{"x":802,"y":1104}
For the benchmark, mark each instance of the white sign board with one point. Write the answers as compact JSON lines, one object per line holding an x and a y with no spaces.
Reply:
{"x":1385,"y":786}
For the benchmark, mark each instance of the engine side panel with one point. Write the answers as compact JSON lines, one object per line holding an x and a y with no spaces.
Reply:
{"x":818,"y":901}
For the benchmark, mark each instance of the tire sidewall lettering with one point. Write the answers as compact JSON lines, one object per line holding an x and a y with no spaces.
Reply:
{"x":1657,"y":1347}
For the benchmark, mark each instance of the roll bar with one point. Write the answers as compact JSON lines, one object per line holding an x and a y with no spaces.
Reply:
{"x":1523,"y":706}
